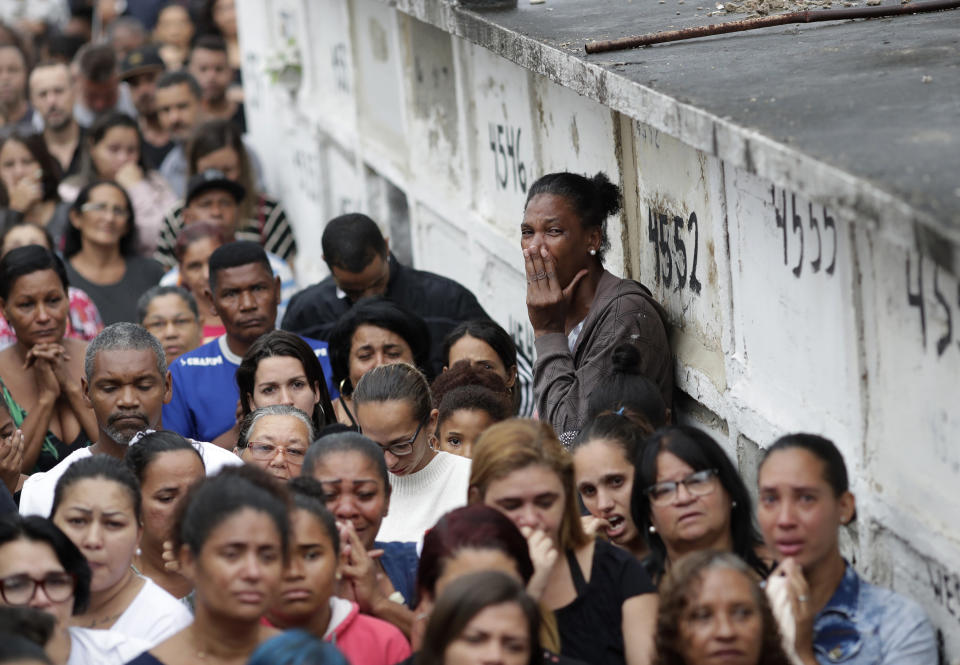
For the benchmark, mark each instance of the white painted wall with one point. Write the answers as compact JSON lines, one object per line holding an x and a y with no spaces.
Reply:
{"x":789,"y":312}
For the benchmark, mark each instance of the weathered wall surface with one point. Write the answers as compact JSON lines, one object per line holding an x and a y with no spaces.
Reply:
{"x":791,"y":309}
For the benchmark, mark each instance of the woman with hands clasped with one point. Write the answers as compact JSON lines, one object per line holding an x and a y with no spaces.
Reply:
{"x":379,"y":576}
{"x":308,"y":597}
{"x":833,"y":615}
{"x":578,"y":310}
{"x":603,"y":600}
{"x":41,"y":372}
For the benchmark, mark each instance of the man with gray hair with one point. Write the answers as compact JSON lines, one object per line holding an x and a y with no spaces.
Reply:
{"x":126,"y":383}
{"x":275,"y":438}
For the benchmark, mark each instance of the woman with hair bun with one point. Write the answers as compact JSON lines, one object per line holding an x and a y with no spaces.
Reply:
{"x":579,"y":310}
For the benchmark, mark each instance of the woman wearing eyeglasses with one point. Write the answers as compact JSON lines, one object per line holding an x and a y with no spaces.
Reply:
{"x":41,"y":568}
{"x":275,"y":438}
{"x":99,"y":247}
{"x":394,"y":408}
{"x":687,"y":497}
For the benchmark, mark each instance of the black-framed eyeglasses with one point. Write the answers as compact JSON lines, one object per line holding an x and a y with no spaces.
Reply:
{"x":403,"y":448}
{"x":698,"y":483}
{"x":19,"y":590}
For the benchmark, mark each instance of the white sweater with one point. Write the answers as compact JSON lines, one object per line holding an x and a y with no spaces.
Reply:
{"x":419,"y":499}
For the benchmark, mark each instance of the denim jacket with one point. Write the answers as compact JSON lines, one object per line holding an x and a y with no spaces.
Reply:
{"x":866,"y":625}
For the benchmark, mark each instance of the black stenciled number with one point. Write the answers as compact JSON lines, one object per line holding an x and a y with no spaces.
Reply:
{"x":681,"y":248}
{"x":521,"y":168}
{"x":653,"y":235}
{"x":797,"y":226}
{"x":665,"y":248}
{"x":815,"y":264}
{"x":506,"y":175}
{"x":695,"y":285}
{"x":512,"y":155}
{"x":915,"y":299}
{"x":829,"y":223}
{"x":947,"y":337}
{"x":496,"y":161}
{"x":781,"y":218}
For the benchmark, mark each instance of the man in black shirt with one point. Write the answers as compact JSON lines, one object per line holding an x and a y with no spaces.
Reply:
{"x":52,"y":96}
{"x":140,"y":70}
{"x":361,"y":265}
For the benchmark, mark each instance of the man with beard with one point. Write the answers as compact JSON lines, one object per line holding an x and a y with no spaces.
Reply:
{"x":52,"y":96}
{"x":14,"y":109}
{"x":140,"y":71}
{"x":244,"y":293}
{"x":126,"y":383}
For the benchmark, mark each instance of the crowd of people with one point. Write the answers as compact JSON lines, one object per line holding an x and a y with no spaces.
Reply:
{"x":202,"y":462}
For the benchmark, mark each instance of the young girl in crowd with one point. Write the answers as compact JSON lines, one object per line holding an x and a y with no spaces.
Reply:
{"x":374,"y":332}
{"x":280,"y":368}
{"x":603,"y":599}
{"x":603,"y":455}
{"x":468,"y":399}
{"x":40,"y":381}
{"x":483,"y":343}
{"x":112,"y":150}
{"x":83,"y":320}
{"x":628,"y":389}
{"x":193,"y":248}
{"x":40,"y":568}
{"x":167,"y":466}
{"x":100,"y":248}
{"x":712,"y":610}
{"x":309,"y":581}
{"x":97,"y":504}
{"x":479,"y":615}
{"x":231,"y":540}
{"x":688,"y":496}
{"x":351,"y":470}
{"x":393,"y":407}
{"x":296,"y":647}
{"x":804,"y":499}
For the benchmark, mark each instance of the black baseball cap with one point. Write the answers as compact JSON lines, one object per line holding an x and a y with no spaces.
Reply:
{"x":213,"y":179}
{"x":141,"y":60}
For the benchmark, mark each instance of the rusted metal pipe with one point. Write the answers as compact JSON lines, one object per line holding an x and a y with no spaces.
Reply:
{"x":807,"y":16}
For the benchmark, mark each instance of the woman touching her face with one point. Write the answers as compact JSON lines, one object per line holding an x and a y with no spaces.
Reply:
{"x":603,"y":600}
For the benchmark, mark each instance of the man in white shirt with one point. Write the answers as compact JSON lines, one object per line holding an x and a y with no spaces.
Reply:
{"x":126,"y":383}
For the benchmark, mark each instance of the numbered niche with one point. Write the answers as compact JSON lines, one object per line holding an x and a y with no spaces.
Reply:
{"x":669,"y":234}
{"x":820,"y":251}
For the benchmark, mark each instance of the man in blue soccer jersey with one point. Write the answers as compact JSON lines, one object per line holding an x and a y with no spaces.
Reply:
{"x":244,"y":293}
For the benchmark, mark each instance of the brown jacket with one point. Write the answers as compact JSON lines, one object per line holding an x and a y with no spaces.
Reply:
{"x":622,"y":310}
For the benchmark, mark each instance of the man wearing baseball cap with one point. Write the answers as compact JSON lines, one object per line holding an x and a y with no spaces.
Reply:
{"x":140,"y":70}
{"x":215,"y":199}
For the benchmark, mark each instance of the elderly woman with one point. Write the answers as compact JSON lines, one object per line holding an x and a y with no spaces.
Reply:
{"x":275,"y":438}
{"x":41,"y":372}
{"x":578,"y":310}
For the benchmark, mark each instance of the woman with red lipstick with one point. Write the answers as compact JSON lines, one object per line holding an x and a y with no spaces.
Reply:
{"x":712,"y":612}
{"x":41,"y":372}
{"x":97,"y":505}
{"x":838,"y":617}
{"x":603,"y":600}
{"x":307,"y":598}
{"x":603,"y":472}
{"x":231,"y":541}
{"x":687,"y":497}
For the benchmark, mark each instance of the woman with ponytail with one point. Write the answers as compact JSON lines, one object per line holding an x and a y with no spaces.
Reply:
{"x":578,"y":310}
